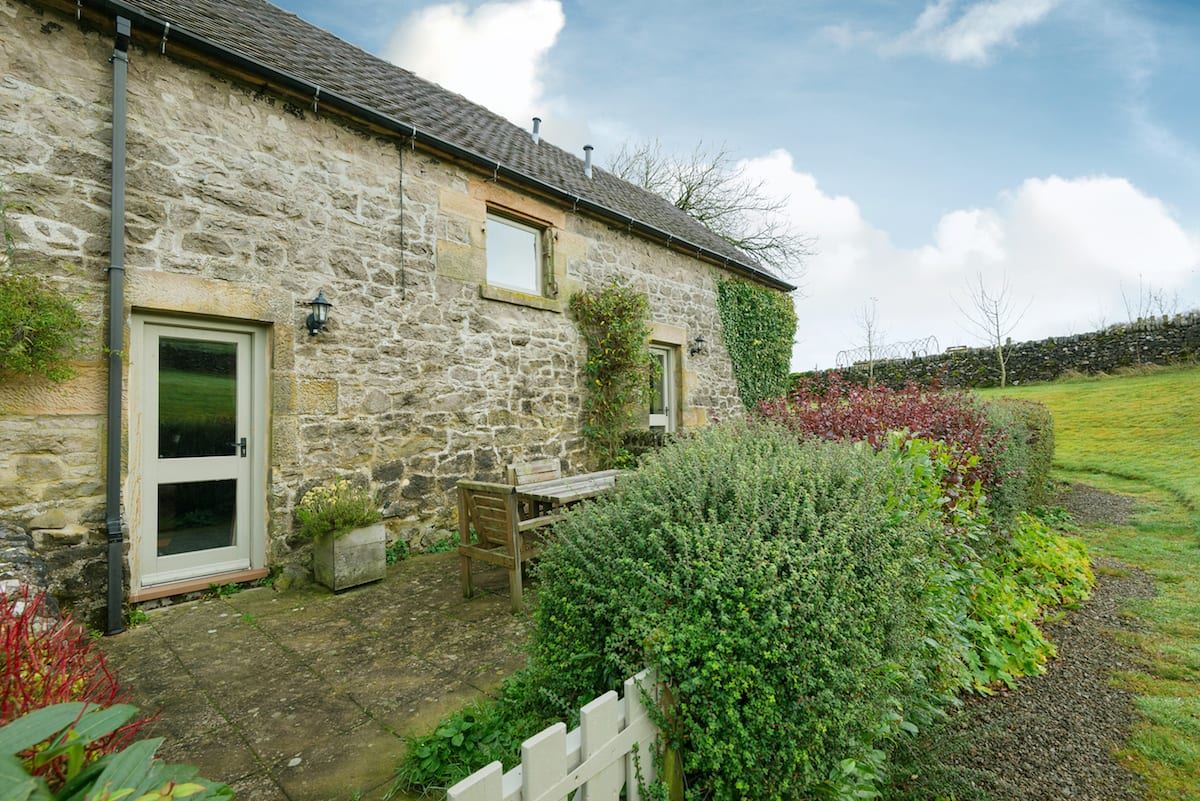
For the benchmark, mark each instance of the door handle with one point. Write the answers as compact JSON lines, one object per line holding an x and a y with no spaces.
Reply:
{"x":241,"y":443}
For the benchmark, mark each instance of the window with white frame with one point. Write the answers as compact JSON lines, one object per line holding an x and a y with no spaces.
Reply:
{"x":514,"y":255}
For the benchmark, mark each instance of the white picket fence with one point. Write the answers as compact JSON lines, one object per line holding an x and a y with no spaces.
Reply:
{"x":598,"y":758}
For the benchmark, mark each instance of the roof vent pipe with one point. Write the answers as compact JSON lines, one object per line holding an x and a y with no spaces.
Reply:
{"x":587,"y":160}
{"x":537,"y":130}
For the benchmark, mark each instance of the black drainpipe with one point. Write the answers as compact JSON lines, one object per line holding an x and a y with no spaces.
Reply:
{"x":116,"y":336}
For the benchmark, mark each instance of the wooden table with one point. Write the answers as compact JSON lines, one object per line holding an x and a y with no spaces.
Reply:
{"x":546,"y":496}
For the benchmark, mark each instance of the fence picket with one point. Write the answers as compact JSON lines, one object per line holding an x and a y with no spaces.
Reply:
{"x":595,"y":759}
{"x":543,"y":761}
{"x":639,"y":763}
{"x":598,"y":725}
{"x":482,"y":785}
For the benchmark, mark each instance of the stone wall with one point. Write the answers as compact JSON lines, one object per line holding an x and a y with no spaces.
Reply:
{"x":1161,"y":341}
{"x":241,"y":206}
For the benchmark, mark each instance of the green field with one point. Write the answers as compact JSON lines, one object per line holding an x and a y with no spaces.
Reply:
{"x":1143,"y":427}
{"x":1140,"y":435}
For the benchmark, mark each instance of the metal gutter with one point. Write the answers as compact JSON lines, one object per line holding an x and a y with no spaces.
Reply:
{"x":324,"y":97}
{"x":116,"y":336}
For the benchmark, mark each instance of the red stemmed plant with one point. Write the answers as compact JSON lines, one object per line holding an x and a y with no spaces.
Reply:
{"x":840,"y":409}
{"x":45,"y":660}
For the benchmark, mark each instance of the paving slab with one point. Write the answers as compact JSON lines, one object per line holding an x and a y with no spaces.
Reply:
{"x":306,"y":695}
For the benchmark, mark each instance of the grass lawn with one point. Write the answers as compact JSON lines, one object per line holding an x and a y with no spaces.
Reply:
{"x":1140,"y":435}
{"x":1143,"y":427}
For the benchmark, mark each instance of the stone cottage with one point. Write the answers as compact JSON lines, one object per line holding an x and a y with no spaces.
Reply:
{"x":194,"y":174}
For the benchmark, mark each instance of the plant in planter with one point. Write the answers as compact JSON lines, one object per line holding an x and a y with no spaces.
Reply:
{"x":349,"y":542}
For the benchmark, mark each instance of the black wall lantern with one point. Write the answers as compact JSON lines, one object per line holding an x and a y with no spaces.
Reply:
{"x":319,"y":315}
{"x":697,"y":346}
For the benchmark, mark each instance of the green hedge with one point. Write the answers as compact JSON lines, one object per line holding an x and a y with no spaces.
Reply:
{"x":776,"y":586}
{"x":1039,"y":431}
{"x":1020,"y":446}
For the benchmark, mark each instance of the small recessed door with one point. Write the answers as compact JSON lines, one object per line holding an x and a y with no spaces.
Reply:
{"x":662,"y":389}
{"x":195,"y":515}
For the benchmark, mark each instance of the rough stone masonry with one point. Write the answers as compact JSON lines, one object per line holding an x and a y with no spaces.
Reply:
{"x":241,"y":206}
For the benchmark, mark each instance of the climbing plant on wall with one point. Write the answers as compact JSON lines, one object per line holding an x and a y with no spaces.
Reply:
{"x":40,"y":327}
{"x":758,"y":325}
{"x":615,"y":323}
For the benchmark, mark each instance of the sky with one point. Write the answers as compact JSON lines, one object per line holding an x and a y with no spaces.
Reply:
{"x":1052,"y":146}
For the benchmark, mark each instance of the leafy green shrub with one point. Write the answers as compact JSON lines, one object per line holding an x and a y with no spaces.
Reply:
{"x":808,"y":605}
{"x":65,"y":732}
{"x":40,"y":328}
{"x":758,"y":326}
{"x":1039,"y":569}
{"x":775,"y":586}
{"x":482,"y":732}
{"x":1020,"y":446}
{"x":1039,"y":429}
{"x":1051,"y":568}
{"x":615,"y":323}
{"x":335,"y":509}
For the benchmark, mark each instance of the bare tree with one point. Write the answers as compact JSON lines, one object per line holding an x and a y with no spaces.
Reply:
{"x":872,"y":336}
{"x":712,"y":187}
{"x":1149,"y":301}
{"x":992,"y":314}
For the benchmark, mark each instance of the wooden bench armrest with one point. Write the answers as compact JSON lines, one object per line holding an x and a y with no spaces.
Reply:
{"x":487,"y":486}
{"x":538,"y":522}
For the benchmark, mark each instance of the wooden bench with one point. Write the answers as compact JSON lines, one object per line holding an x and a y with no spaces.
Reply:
{"x":519,"y":473}
{"x":502,"y":537}
{"x":533,"y":472}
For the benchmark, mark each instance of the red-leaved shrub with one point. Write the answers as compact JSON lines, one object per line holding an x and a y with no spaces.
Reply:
{"x":840,"y":409}
{"x":44,"y":661}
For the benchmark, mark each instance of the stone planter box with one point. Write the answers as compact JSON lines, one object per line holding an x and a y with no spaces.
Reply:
{"x":356,"y":557}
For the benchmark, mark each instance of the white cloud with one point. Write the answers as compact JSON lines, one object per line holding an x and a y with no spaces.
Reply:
{"x":493,"y":54}
{"x":1066,"y":244}
{"x":971,"y":37}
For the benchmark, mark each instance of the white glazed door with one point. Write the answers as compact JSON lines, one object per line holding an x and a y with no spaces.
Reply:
{"x":196,"y":437}
{"x":662,"y":389}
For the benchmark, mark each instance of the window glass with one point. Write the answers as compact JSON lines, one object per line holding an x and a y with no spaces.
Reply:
{"x":658,"y":389}
{"x":513,"y":255}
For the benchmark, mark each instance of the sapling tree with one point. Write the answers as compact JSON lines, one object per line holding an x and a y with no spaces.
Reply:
{"x":993,"y":313}
{"x":871,"y":336}
{"x":1148,"y":301}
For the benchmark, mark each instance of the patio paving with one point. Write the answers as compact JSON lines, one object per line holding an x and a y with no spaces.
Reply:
{"x":305,"y":695}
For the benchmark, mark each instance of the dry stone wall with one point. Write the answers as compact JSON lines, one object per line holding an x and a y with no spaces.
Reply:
{"x":1160,"y":341}
{"x":241,"y":206}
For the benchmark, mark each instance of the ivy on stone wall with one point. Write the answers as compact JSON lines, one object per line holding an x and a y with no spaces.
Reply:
{"x":615,"y":323}
{"x":759,"y":326}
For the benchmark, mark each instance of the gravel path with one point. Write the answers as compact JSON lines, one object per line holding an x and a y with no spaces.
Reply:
{"x":1056,"y":736}
{"x":1091,"y":506}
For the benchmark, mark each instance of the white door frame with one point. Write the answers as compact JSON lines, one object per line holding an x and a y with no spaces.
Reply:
{"x":146,"y":471}
{"x":666,"y":420}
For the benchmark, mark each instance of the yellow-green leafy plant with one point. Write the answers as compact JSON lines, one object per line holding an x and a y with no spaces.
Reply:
{"x":333,"y":510}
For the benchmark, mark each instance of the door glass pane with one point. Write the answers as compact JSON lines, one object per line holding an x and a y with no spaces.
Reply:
{"x":197,"y":398}
{"x":196,"y":516}
{"x":658,"y":375}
